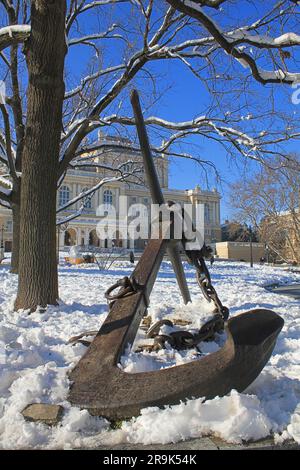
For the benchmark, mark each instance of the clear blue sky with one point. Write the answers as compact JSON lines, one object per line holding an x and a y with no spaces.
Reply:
{"x":185,"y":97}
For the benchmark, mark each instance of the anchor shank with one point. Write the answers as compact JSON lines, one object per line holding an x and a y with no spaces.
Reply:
{"x":156,"y":192}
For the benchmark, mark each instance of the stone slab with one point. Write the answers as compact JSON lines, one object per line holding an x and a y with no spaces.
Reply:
{"x":43,"y":412}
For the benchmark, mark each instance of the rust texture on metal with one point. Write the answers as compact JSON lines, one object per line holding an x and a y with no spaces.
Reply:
{"x":106,"y":390}
{"x":100,"y":385}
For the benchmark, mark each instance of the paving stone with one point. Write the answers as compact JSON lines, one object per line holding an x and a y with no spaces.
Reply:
{"x":43,"y":412}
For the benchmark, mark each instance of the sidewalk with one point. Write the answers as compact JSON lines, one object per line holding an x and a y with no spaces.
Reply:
{"x":208,"y":443}
{"x":293,"y":290}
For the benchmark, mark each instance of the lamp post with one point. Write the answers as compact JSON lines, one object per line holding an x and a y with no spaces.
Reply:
{"x":62,"y":227}
{"x":2,"y":244}
{"x":251,"y":246}
{"x":268,"y":253}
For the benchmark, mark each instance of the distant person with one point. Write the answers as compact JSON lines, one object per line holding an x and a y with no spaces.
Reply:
{"x":131,"y":257}
{"x":262,"y":260}
{"x":212,"y":260}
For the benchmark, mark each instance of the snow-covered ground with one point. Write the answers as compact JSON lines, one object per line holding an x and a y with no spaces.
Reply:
{"x":35,"y":359}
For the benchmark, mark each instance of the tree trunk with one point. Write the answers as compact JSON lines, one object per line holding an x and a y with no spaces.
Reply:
{"x":45,"y":55}
{"x":16,"y":239}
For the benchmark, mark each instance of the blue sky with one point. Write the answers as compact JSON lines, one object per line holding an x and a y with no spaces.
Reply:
{"x":184,"y":97}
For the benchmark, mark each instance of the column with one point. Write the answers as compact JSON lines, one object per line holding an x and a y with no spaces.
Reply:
{"x":100,"y":197}
{"x":213,"y":214}
{"x":86,"y":236}
{"x":218,"y":213}
{"x":61,"y":242}
{"x":78,"y":236}
{"x":117,"y":206}
{"x":74,"y":192}
{"x":131,"y":244}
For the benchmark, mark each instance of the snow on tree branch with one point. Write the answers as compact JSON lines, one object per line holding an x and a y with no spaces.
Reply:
{"x":257,"y":146}
{"x":89,"y":78}
{"x":193,"y":9}
{"x":9,"y":152}
{"x":95,"y":37}
{"x":14,"y":34}
{"x":5,"y":195}
{"x":4,"y":182}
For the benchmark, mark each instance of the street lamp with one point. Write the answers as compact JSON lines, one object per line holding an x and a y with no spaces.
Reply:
{"x":62,"y":227}
{"x":251,"y":245}
{"x":2,"y":244}
{"x":268,"y":253}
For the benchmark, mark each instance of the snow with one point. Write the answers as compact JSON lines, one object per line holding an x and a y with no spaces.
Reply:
{"x":15,"y":29}
{"x":280,"y":74}
{"x":4,"y":184}
{"x":236,"y":418}
{"x":35,"y":359}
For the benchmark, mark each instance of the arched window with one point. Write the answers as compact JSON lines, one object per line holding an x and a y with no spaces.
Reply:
{"x":64,"y":195}
{"x":87,"y":199}
{"x":107,"y":198}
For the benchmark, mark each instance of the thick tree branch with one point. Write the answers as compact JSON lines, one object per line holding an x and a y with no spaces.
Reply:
{"x":14,"y":34}
{"x":9,"y":154}
{"x":5,"y":196}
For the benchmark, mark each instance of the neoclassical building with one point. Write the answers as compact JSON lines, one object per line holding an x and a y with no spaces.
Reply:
{"x":82,"y":229}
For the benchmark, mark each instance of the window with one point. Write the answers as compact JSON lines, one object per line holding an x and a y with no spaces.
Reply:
{"x":9,"y":226}
{"x":207,"y":213}
{"x":127,"y":168}
{"x":64,"y":195}
{"x":87,"y":200}
{"x":107,"y":198}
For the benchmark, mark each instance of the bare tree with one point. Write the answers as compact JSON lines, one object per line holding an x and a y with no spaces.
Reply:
{"x":151,"y":31}
{"x":269,"y":200}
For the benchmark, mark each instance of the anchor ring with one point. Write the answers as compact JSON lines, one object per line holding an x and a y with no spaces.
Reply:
{"x":126,"y":290}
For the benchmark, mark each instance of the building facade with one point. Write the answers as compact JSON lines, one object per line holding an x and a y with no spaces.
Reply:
{"x":240,"y":251}
{"x":82,"y":229}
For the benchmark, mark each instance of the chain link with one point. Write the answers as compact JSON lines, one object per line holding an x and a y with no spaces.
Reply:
{"x":181,"y":339}
{"x":196,"y":258}
{"x":184,"y":339}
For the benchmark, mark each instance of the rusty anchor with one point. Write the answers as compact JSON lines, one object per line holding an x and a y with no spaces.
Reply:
{"x":101,"y":386}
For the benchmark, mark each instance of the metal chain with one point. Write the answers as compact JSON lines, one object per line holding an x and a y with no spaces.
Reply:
{"x":196,"y":258}
{"x":184,"y":339}
{"x":181,"y":339}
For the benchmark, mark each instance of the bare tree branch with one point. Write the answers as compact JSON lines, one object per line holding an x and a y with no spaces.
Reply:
{"x":83,"y":7}
{"x":91,"y":191}
{"x":93,"y":37}
{"x":192,"y":9}
{"x":10,"y":159}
